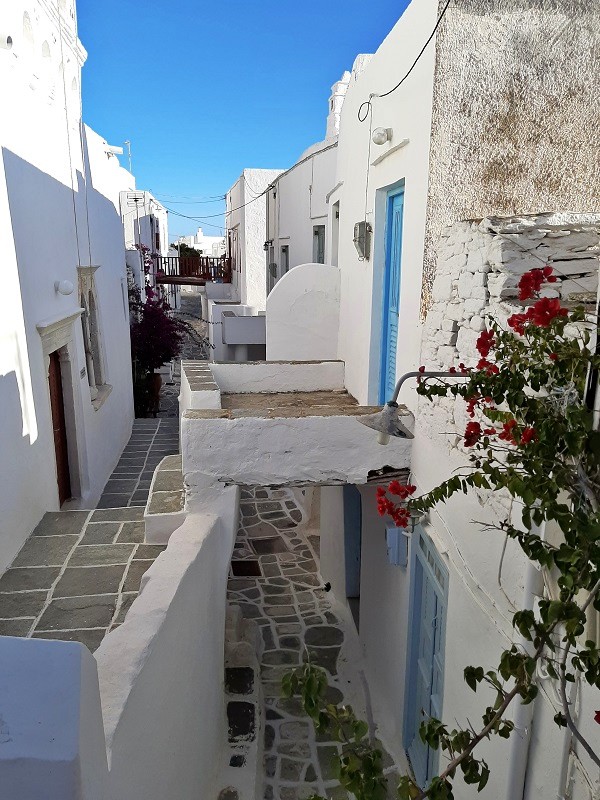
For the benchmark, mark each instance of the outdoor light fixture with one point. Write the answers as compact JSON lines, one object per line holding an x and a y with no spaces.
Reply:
{"x":267,"y":244}
{"x":64,"y":287}
{"x":362,"y":239}
{"x":382,"y":135}
{"x":387,"y":421}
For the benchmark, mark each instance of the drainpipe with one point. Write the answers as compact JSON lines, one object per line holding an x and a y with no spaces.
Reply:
{"x":523,"y":719}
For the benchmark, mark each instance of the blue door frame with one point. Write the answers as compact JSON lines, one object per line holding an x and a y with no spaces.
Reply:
{"x":425,"y":672}
{"x":391,"y":293}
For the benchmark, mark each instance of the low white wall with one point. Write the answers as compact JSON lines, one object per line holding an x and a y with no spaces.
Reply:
{"x":333,"y":557}
{"x":51,"y":735}
{"x":303,"y":313}
{"x":161,"y":671}
{"x":219,"y":349}
{"x":279,"y":376}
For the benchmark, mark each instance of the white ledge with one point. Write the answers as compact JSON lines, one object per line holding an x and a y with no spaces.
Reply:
{"x":402,"y":143}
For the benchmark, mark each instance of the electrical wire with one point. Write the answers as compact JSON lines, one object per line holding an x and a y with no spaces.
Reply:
{"x":362,"y":116}
{"x":212,"y":216}
{"x":192,"y":202}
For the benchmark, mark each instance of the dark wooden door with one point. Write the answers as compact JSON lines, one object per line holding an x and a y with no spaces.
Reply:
{"x":59,"y":429}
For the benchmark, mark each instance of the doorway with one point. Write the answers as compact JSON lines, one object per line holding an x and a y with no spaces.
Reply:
{"x":427,"y":626}
{"x":59,"y":428}
{"x":352,"y":548}
{"x":391,"y":293}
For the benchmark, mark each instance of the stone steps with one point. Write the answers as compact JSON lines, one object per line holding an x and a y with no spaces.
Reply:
{"x":164,"y":510}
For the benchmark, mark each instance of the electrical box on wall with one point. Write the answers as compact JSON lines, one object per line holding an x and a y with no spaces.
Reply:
{"x":397,"y":546}
{"x":362,"y":239}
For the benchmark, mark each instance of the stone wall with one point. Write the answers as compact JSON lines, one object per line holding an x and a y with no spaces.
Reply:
{"x":479,"y":264}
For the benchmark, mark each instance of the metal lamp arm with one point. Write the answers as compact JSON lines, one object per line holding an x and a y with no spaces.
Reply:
{"x":418,"y":374}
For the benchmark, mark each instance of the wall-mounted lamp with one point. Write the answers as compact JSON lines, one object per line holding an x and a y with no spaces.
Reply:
{"x":267,"y":244}
{"x":386,"y":422}
{"x":64,"y":287}
{"x":382,"y":135}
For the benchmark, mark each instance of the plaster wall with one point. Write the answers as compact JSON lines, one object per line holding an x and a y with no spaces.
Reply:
{"x":219,"y":351}
{"x":303,"y":314}
{"x":161,"y":672}
{"x":361,"y":193}
{"x":246,"y":207}
{"x":42,"y":242}
{"x":506,"y":74}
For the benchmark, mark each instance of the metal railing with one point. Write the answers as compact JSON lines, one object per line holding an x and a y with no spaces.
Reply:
{"x":192,"y":269}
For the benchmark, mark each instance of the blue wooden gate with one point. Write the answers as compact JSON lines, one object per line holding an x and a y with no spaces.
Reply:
{"x":425,"y":672}
{"x":391,"y":294}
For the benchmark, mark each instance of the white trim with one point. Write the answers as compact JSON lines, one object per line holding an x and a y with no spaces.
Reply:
{"x":56,"y":332}
{"x":379,"y":159}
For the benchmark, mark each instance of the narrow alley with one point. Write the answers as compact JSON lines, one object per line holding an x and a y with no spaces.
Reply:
{"x":275,"y":581}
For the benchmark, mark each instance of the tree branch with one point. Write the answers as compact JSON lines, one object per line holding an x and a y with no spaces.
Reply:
{"x":562,"y":684}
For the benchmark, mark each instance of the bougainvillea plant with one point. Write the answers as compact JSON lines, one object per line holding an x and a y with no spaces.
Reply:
{"x":532,"y":435}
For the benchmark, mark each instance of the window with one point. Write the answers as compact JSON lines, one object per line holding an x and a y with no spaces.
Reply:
{"x":319,"y":244}
{"x":285,"y":259}
{"x":90,"y":328}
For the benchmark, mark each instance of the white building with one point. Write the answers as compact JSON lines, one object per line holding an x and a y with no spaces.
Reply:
{"x":231,"y":337}
{"x":213,"y":246}
{"x":298,"y":200}
{"x":455,"y":141}
{"x":64,"y":333}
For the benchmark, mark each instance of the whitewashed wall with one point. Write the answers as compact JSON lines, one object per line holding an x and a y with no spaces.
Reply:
{"x":298,"y":201}
{"x":408,"y":112}
{"x":303,"y":314}
{"x":38,"y":246}
{"x":161,"y":672}
{"x":248,"y":215}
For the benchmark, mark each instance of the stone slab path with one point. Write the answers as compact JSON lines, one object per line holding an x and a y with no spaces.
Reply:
{"x":79,"y":572}
{"x":296,"y":617}
{"x":76,"y":576}
{"x":151,"y":440}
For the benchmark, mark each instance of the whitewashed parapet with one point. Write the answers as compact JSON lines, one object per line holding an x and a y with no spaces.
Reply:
{"x":284,"y":446}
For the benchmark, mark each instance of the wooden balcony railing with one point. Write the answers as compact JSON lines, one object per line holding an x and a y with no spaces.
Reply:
{"x":192,"y":270}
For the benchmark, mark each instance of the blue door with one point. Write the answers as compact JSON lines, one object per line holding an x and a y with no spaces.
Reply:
{"x":391,"y":294}
{"x":426,"y":653}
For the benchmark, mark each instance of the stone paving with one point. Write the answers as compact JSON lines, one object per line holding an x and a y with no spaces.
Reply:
{"x":79,"y":572}
{"x":76,"y":576}
{"x":296,"y":617}
{"x":151,"y":440}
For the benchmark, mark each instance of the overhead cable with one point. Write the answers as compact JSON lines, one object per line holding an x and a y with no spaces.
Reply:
{"x":362,"y":115}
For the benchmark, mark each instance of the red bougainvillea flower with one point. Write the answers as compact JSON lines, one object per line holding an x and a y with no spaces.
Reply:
{"x":553,"y":357}
{"x":485,"y":343}
{"x":489,"y":431}
{"x":507,"y":433}
{"x":528,"y":435}
{"x":487,"y":366}
{"x":401,"y":490}
{"x":531,"y":282}
{"x":546,"y":310}
{"x":517,"y":323}
{"x":472,"y":434}
{"x":542,"y":313}
{"x":463,"y":369}
{"x":597,"y":717}
{"x":472,"y":404}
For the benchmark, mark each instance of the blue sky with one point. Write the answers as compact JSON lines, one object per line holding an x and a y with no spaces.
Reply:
{"x":204,"y":89}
